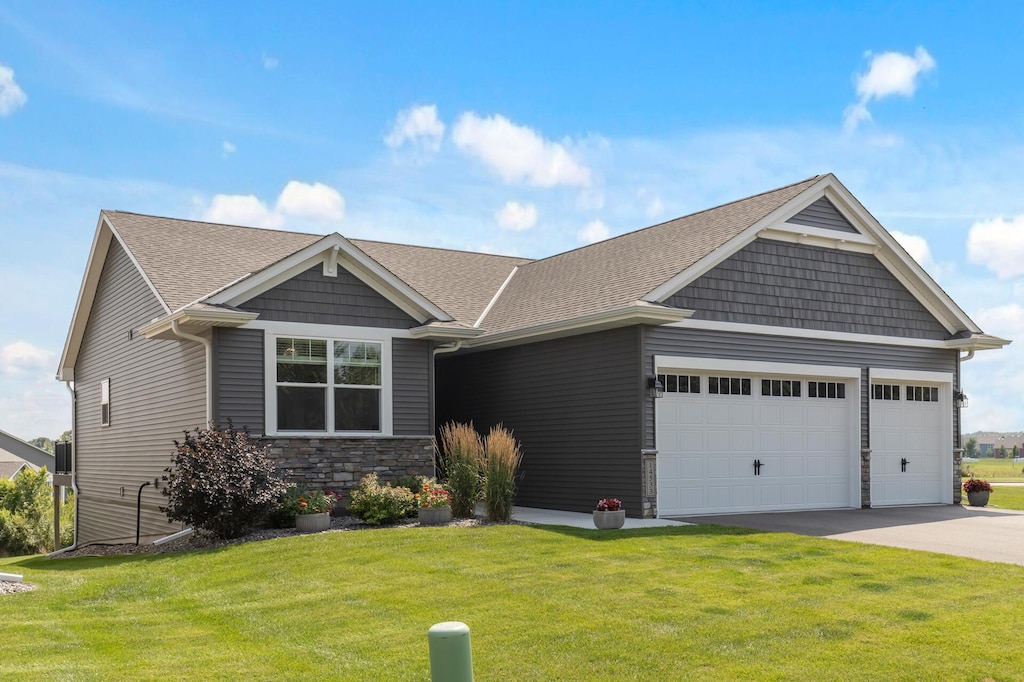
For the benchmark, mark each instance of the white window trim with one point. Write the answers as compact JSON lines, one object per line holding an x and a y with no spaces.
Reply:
{"x":105,"y":392}
{"x":310,"y":331}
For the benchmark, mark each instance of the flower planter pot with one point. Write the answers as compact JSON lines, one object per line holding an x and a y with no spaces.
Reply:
{"x":313,"y":523}
{"x":434,"y":516}
{"x":978,"y":499}
{"x":609,"y":520}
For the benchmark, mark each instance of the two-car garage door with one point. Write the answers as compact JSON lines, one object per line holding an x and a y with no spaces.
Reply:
{"x":735,"y":439}
{"x":752,"y":442}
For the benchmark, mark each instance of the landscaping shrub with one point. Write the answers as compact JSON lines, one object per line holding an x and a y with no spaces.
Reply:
{"x":414,"y":484}
{"x":221,"y":482}
{"x":461,"y":457}
{"x":26,"y":515}
{"x":501,"y":462}
{"x":376,"y":504}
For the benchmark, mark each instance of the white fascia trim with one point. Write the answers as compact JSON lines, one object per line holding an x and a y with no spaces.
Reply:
{"x":328,"y":331}
{"x":336,"y":247}
{"x":817,"y":236}
{"x":339,"y":333}
{"x":497,"y":294}
{"x":440,"y":332}
{"x":679,"y":362}
{"x":932,"y":296}
{"x":987,"y":343}
{"x":885,"y":373}
{"x":768,"y":330}
{"x":794,"y":205}
{"x":105,"y":233}
{"x":632,"y":314}
{"x":208,"y":317}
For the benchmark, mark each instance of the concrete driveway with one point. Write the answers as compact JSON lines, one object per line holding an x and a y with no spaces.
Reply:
{"x":976,"y":532}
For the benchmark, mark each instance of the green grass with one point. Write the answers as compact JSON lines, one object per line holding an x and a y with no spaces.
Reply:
{"x":1005,"y":497}
{"x":706,"y":602}
{"x":995,"y":470}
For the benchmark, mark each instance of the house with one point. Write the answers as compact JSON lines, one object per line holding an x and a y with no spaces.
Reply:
{"x":16,"y":455}
{"x":780,"y":352}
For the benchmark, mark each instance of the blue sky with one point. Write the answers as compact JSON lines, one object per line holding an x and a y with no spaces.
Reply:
{"x":521,"y":128}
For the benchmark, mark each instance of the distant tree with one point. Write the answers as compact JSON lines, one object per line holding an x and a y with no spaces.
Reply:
{"x":1001,"y":452}
{"x":1016,"y":451}
{"x":43,"y":443}
{"x":971,"y":447}
{"x":65,"y":437}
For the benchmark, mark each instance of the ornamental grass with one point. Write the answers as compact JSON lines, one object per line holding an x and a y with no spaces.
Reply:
{"x":461,"y":457}
{"x":502,"y":457}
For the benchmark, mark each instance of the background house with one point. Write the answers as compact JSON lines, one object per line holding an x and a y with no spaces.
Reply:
{"x":16,"y":455}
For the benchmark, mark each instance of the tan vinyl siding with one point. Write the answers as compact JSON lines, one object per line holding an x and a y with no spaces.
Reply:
{"x":157,"y":391}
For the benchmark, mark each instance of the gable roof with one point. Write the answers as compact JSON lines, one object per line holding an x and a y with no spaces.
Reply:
{"x":201,"y":269}
{"x":622,"y":270}
{"x":13,"y":449}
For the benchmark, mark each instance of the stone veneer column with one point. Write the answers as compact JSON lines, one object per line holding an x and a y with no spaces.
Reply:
{"x":865,"y":479}
{"x":649,"y":483}
{"x":958,"y":460}
{"x":338,"y":463}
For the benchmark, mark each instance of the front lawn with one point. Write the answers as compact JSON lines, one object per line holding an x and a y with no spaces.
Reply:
{"x":708,"y":603}
{"x":1005,"y":497}
{"x":995,"y":469}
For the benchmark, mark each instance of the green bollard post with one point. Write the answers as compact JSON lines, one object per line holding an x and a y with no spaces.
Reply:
{"x":451,"y":657}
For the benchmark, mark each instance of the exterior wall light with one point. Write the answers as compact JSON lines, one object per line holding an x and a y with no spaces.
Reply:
{"x":655,"y":388}
{"x":960,"y":398}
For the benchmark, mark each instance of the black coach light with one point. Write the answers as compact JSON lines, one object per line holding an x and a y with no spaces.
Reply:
{"x":961,"y":399}
{"x":655,"y":387}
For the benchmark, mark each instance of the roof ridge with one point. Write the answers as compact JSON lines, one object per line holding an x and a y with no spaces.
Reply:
{"x":672,"y":220}
{"x":208,"y":222}
{"x":440,"y":248}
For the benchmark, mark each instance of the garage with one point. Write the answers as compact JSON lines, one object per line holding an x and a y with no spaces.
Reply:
{"x":911,"y":439}
{"x":746,"y":437}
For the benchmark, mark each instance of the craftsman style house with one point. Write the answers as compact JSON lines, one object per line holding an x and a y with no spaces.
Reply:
{"x":781,"y":352}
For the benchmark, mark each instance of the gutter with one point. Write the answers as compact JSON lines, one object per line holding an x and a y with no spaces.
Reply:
{"x":74,"y":468}
{"x":209,"y":365}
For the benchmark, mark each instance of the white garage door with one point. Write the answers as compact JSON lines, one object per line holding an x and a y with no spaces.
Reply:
{"x":752,"y":443}
{"x":907,"y":428}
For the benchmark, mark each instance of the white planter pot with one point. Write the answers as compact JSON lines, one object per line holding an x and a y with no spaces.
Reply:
{"x":434,"y":516}
{"x":609,"y":520}
{"x":313,"y":523}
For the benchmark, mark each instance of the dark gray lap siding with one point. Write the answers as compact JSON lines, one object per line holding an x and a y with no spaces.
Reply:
{"x":239,"y":391}
{"x":574,"y":405}
{"x":766,"y":348}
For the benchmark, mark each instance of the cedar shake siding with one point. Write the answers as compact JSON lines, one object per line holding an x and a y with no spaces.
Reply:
{"x":157,"y":391}
{"x":823,"y":214}
{"x":342,"y":300}
{"x":732,"y":346}
{"x":808,"y":287}
{"x":574,"y":404}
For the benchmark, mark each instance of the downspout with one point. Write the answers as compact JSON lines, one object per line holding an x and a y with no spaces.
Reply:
{"x":74,"y":468}
{"x":209,"y":365}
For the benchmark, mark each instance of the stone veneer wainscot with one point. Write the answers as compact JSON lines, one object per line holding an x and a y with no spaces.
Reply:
{"x":338,"y":463}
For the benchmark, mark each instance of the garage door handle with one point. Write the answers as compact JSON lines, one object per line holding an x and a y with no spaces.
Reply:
{"x":757,"y":467}
{"x":903,"y":465}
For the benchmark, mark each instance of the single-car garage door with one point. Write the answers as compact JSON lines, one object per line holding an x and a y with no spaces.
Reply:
{"x":731,"y":443}
{"x":907,"y":438}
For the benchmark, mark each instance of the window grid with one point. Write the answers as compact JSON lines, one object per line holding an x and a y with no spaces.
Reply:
{"x":680,"y":383}
{"x":728,"y":386}
{"x":885,"y":391}
{"x":826,"y":389}
{"x":923,"y":394}
{"x":780,"y":388}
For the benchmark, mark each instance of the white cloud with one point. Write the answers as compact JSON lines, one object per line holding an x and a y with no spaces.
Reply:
{"x":594,"y":231}
{"x":11,"y":94}
{"x":517,"y":153}
{"x":916,"y":246}
{"x":418,"y":126}
{"x":517,"y":217}
{"x":1006,"y":320}
{"x":315,"y":202}
{"x":312,"y":202}
{"x":888,"y":74}
{"x":998,"y":244}
{"x":228,"y":148}
{"x":241,"y":209}
{"x":21,"y":358}
{"x":655,"y":207}
{"x":270,"y":63}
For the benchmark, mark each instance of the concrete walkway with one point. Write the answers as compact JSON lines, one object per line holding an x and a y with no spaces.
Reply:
{"x":552,"y":517}
{"x":975,"y":532}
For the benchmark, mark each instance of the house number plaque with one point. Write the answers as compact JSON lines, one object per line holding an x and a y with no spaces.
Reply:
{"x":650,"y":477}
